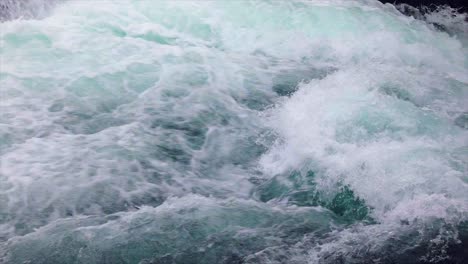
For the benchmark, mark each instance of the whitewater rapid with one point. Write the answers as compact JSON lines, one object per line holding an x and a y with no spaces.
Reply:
{"x":325,"y":131}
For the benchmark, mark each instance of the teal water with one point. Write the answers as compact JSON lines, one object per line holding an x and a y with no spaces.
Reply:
{"x":321,"y":131}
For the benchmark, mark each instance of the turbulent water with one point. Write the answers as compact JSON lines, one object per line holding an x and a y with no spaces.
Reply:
{"x":321,"y":131}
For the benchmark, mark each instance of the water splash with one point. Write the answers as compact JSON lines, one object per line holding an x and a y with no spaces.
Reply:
{"x":176,"y":132}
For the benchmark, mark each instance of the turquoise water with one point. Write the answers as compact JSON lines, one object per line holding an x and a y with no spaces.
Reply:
{"x":319,"y":131}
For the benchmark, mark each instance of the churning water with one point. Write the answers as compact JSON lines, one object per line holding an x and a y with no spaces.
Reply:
{"x":325,"y":131}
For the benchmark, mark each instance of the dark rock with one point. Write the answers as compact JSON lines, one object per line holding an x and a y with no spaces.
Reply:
{"x":459,"y":4}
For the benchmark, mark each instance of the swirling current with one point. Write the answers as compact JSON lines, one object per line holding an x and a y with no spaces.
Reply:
{"x":324,"y":131}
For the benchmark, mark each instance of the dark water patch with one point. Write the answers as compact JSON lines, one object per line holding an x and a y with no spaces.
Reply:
{"x":458,"y":252}
{"x":57,"y":106}
{"x":157,"y":38}
{"x":462,"y":121}
{"x":194,"y":130}
{"x":170,"y":150}
{"x":286,"y":83}
{"x":301,"y":190}
{"x":255,"y":99}
{"x":397,"y":92}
